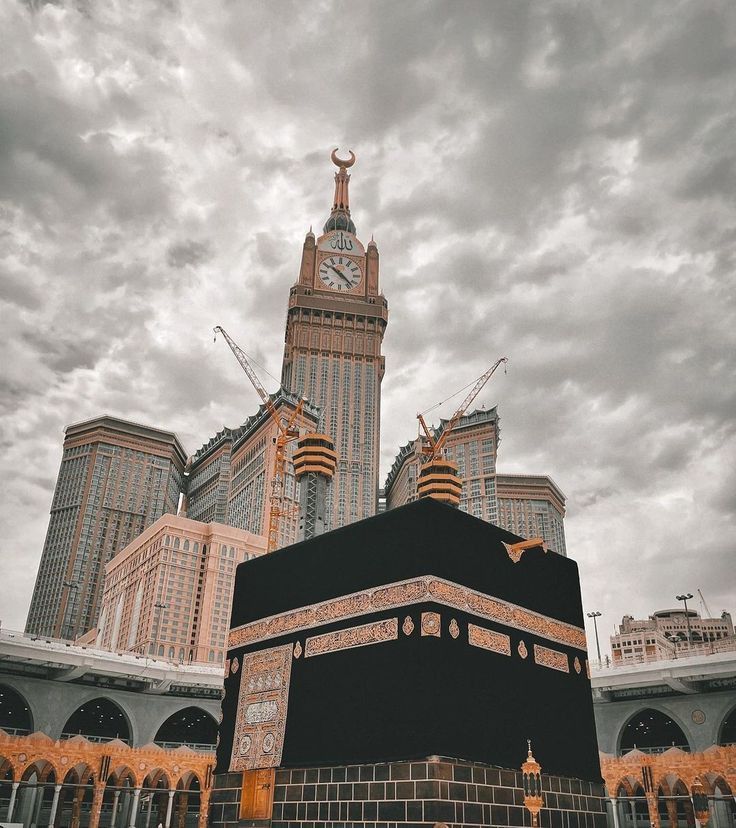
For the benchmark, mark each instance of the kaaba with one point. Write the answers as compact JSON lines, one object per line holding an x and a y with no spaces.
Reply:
{"x":413,"y":648}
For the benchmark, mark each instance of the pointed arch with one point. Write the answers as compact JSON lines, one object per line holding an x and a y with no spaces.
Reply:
{"x":99,"y":719}
{"x":651,"y":731}
{"x":16,"y":717}
{"x":191,"y":726}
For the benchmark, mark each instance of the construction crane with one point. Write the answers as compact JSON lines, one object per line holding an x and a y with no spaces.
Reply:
{"x":286,"y":433}
{"x":438,"y":476}
{"x":705,"y":606}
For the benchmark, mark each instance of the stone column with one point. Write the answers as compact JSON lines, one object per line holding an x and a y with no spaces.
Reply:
{"x":204,"y":807}
{"x":37,"y":803}
{"x":115,"y":798}
{"x":151,"y":797}
{"x":77,"y":806}
{"x":653,"y":810}
{"x":11,"y":804}
{"x":671,"y":812}
{"x":169,"y":805}
{"x":614,"y":811}
{"x":97,"y":798}
{"x":134,"y":807}
{"x":54,"y":805}
{"x":182,"y":809}
{"x":632,"y":808}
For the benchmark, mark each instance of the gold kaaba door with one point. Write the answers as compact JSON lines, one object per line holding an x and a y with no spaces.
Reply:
{"x":256,"y":797}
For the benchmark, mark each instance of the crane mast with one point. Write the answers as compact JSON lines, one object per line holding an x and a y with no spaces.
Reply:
{"x":286,"y":433}
{"x":438,"y":477}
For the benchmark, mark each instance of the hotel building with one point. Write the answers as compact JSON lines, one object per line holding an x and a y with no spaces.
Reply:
{"x":168,"y":593}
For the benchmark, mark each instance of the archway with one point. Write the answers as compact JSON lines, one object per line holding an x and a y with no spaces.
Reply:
{"x":154,"y":798}
{"x":117,"y":800}
{"x":6,"y":784}
{"x":192,"y":727}
{"x":651,"y":731}
{"x":722,"y":804}
{"x":683,"y":806}
{"x":15,"y":714}
{"x":35,"y":794}
{"x":75,"y":800}
{"x":728,"y":730}
{"x":632,"y":805}
{"x":186,"y":810}
{"x":99,"y":720}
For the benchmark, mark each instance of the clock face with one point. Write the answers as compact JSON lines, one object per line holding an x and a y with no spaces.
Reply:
{"x":339,"y":273}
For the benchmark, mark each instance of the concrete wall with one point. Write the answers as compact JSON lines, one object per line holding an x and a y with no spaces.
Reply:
{"x":53,"y":702}
{"x":612,"y":717}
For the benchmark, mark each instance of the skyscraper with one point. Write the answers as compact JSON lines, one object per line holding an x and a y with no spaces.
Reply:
{"x":116,"y":478}
{"x":230,"y":477}
{"x":335,"y":324}
{"x":532,"y":505}
{"x":473,"y":445}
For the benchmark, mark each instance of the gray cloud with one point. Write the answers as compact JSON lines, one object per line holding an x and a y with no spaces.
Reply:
{"x":550,"y":182}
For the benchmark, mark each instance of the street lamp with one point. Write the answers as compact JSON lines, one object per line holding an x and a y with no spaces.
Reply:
{"x":70,"y":585}
{"x":685,"y":599}
{"x":595,"y":615}
{"x":159,"y":606}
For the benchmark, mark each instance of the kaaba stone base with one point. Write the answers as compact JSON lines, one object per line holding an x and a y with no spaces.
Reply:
{"x":408,"y":794}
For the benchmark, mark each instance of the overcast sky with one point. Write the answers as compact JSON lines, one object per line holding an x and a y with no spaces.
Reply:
{"x":553,"y":182}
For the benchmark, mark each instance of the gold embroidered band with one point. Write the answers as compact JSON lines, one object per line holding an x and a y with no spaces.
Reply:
{"x":374,"y":633}
{"x":551,"y":658}
{"x":489,"y":640}
{"x":402,"y":594}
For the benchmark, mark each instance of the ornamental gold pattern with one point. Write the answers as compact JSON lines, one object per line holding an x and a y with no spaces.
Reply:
{"x":374,"y":633}
{"x":402,"y":594}
{"x":260,"y":722}
{"x":551,"y":658}
{"x":431,"y":624}
{"x":489,"y":640}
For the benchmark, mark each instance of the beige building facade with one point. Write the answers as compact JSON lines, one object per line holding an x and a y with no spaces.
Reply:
{"x":532,"y":505}
{"x":671,"y":633}
{"x":116,"y":478}
{"x":168,"y":593}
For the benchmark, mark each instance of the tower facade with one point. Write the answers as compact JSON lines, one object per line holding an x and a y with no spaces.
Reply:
{"x":332,"y":356}
{"x":532,"y":505}
{"x":116,"y":479}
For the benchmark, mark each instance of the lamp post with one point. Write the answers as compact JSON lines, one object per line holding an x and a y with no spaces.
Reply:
{"x":595,"y":615}
{"x":532,"y":771}
{"x":70,"y":585}
{"x":159,"y":606}
{"x":685,"y":598}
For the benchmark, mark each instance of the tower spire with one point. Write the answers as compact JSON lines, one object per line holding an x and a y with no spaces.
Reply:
{"x":340,"y":216}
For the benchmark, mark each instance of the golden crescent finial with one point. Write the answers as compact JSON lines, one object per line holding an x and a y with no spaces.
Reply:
{"x":339,"y":162}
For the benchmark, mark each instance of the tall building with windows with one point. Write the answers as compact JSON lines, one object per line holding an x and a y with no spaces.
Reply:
{"x":116,"y":479}
{"x":473,"y":445}
{"x":168,"y":593}
{"x":229,"y":479}
{"x":532,"y":505}
{"x":335,"y":324}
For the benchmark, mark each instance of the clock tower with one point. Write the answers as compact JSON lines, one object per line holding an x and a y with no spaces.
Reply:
{"x":332,"y":355}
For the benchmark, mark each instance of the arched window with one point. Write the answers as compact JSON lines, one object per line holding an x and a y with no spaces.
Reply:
{"x":176,"y":543}
{"x":99,"y":720}
{"x":652,"y":731}
{"x":181,"y":654}
{"x":212,"y":655}
{"x":186,"y":545}
{"x":171,"y":652}
{"x":190,"y":726}
{"x":160,"y":649}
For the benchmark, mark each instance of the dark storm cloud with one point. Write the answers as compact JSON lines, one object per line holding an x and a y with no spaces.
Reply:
{"x":551,"y":182}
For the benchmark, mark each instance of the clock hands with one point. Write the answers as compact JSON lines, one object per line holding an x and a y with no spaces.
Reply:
{"x":341,"y":275}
